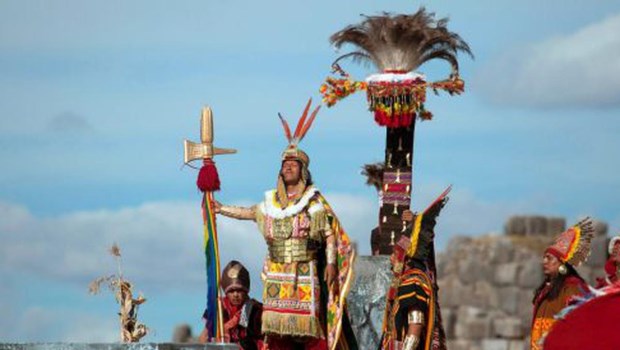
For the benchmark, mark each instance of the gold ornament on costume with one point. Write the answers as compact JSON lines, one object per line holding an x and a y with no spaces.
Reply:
{"x":234,"y":271}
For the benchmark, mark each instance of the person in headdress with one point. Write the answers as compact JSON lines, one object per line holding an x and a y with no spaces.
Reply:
{"x":612,"y":266}
{"x":242,"y":315}
{"x":307,"y":272}
{"x":412,"y":319}
{"x":562,"y":283}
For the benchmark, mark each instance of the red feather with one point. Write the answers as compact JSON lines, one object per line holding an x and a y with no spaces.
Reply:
{"x":287,"y":129}
{"x":310,"y":121}
{"x":302,"y":120}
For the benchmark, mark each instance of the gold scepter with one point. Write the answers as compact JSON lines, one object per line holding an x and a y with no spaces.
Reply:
{"x":208,"y":182}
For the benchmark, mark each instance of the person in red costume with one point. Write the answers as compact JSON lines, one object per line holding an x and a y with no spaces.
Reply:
{"x":612,"y":266}
{"x":562,"y":282}
{"x":242,"y":315}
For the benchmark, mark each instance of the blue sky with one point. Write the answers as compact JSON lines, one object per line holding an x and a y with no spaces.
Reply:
{"x":96,"y":98}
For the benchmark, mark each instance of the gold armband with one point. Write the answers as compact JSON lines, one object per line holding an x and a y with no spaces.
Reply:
{"x":411,"y":342}
{"x":330,"y":254}
{"x":238,"y":212}
{"x":415,"y":317}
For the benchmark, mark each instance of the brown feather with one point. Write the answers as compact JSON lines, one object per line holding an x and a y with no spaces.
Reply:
{"x":402,"y":42}
{"x":301,"y":121}
{"x":287,"y":129}
{"x":306,"y":127}
{"x":374,"y":175}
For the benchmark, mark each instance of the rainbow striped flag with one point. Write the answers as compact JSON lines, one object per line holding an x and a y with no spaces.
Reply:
{"x":214,"y":320}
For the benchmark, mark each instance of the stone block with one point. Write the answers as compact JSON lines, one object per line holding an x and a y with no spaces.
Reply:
{"x":485,"y":295}
{"x":525,"y":307}
{"x":472,"y":323}
{"x":530,"y":274}
{"x":457,"y":244}
{"x":600,"y":228}
{"x":448,"y":317}
{"x":515,"y":226}
{"x":555,"y":225}
{"x":535,"y":225}
{"x":472,"y":270}
{"x":509,"y":299}
{"x":453,"y":293}
{"x":495,"y":344}
{"x":501,"y":250}
{"x":440,"y":264}
{"x":508,"y":328}
{"x":507,"y":274}
{"x":462,"y":344}
{"x":598,"y":252}
{"x":518,"y":345}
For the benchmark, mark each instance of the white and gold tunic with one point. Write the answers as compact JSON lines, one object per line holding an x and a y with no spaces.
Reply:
{"x":295,"y":236}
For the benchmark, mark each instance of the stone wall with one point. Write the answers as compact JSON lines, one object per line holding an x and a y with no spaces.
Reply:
{"x":487,"y":282}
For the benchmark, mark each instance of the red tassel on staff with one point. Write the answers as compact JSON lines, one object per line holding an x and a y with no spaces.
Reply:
{"x":208,"y":179}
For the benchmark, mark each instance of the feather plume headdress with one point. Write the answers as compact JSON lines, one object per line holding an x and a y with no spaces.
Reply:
{"x":397,"y":45}
{"x":293,"y":152}
{"x":573,"y":245}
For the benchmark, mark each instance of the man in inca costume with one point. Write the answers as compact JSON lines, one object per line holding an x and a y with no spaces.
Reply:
{"x":308,"y":270}
{"x":412,"y":318}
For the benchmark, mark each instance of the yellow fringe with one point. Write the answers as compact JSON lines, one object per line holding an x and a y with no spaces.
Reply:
{"x":291,"y":324}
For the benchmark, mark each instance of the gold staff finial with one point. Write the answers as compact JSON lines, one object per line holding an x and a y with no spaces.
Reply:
{"x":204,"y":149}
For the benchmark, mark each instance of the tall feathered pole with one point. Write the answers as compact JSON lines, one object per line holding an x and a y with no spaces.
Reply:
{"x":208,"y":182}
{"x":396,"y":45}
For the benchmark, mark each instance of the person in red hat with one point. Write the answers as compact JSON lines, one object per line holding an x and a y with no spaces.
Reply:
{"x":562,"y":282}
{"x":612,"y":266}
{"x":242,"y":315}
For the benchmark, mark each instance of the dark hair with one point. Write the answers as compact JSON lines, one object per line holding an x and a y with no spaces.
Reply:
{"x":557,"y":282}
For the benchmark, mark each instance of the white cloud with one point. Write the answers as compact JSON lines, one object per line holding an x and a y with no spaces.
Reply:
{"x":162,"y":251}
{"x":581,"y":69}
{"x":162,"y":242}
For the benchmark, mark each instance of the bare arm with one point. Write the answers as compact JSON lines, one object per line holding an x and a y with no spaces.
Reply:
{"x":241,"y":213}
